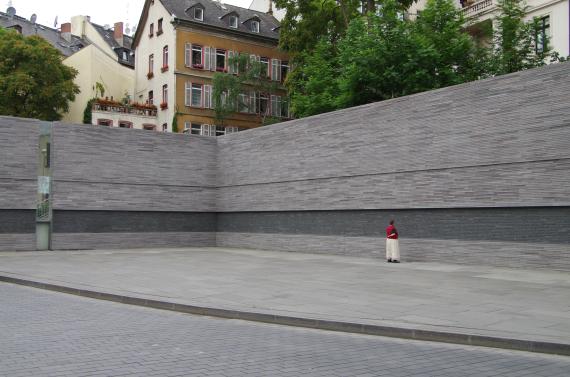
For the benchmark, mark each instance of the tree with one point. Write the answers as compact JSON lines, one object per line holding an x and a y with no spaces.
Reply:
{"x":33,"y":80}
{"x":518,"y":45}
{"x":229,"y":90}
{"x":384,"y":56}
{"x":314,"y":87}
{"x":308,"y":21}
{"x":88,"y":112}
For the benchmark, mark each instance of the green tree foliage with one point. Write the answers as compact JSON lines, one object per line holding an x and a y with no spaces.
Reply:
{"x":307,"y":21}
{"x":383,"y":56}
{"x":315,"y":88}
{"x":515,"y":41}
{"x":33,"y":80}
{"x":88,"y":112}
{"x":226,"y":88}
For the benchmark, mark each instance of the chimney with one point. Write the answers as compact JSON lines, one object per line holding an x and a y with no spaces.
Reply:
{"x":66,"y":31}
{"x":270,"y":11}
{"x":118,"y":32}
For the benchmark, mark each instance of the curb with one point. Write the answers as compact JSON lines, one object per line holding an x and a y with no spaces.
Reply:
{"x":350,"y":327}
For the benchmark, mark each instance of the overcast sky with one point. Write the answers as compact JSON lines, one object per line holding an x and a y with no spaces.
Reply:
{"x":101,"y":11}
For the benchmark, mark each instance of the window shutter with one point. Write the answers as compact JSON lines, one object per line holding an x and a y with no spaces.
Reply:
{"x":188,"y":55}
{"x":187,"y":93}
{"x":253,"y":102}
{"x":230,"y":62}
{"x":207,"y":96}
{"x":206,"y":58}
{"x":212,"y":58}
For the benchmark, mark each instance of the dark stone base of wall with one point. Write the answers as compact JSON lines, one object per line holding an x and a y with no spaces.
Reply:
{"x":17,"y":229}
{"x":531,"y":224}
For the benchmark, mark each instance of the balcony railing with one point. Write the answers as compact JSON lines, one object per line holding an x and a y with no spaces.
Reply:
{"x":475,"y":9}
{"x":126,"y":109}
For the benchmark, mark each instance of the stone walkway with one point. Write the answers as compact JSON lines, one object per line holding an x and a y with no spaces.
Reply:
{"x":486,"y":301}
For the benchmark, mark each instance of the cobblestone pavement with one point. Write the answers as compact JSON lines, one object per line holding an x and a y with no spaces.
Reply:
{"x":52,"y":334}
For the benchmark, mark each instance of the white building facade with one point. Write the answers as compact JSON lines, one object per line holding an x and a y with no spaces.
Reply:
{"x":480,"y":15}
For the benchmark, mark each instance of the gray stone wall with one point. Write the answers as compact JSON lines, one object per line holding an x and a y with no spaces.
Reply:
{"x":501,"y":142}
{"x":476,"y":173}
{"x":117,"y":188}
{"x":18,"y":182}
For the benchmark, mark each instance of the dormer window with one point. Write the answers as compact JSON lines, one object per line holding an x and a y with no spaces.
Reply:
{"x":254,"y":26}
{"x":199,"y":14}
{"x":233,"y":21}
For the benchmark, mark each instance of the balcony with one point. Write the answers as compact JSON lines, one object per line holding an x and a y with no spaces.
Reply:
{"x":474,"y":10}
{"x":131,"y":108}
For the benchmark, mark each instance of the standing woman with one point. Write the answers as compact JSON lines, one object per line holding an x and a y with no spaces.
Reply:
{"x":392,"y":244}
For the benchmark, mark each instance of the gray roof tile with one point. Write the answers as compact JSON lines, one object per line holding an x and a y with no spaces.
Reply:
{"x":215,"y":14}
{"x":53,"y":36}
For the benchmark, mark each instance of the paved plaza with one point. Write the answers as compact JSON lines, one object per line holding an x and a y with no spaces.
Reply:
{"x":487,"y":301}
{"x":53,"y":334}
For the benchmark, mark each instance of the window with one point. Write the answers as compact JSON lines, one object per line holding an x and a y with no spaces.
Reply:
{"x":105,"y":122}
{"x":285,"y":108}
{"x":150,"y":127}
{"x":233,"y":62}
{"x":150,"y":97}
{"x":199,"y":14}
{"x":263,"y":104}
{"x":284,"y":69}
{"x":264,"y":67}
{"x":124,"y":124}
{"x":208,"y":130}
{"x":275,"y":70}
{"x":243,"y":103}
{"x":164,"y":127}
{"x":220,"y":60}
{"x":151,"y":30}
{"x":196,"y":95}
{"x":234,"y":22}
{"x":197,"y":56}
{"x":164,"y":103}
{"x":159,"y":27}
{"x":220,"y":130}
{"x":125,"y":56}
{"x":192,"y":128}
{"x":254,"y":26}
{"x":542,"y":35}
{"x":164,"y":58}
{"x":231,"y":130}
{"x":253,"y":97}
{"x":150,"y":64}
{"x":276,"y":106}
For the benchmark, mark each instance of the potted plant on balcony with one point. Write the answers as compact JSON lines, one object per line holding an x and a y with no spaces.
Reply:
{"x":149,"y":75}
{"x":164,"y":105}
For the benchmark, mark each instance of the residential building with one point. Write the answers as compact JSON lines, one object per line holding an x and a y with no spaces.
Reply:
{"x":481,"y":18}
{"x":106,"y":62}
{"x":66,"y":44}
{"x":99,"y":54}
{"x":180,"y":45}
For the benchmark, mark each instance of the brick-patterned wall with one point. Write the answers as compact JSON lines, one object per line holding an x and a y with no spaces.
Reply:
{"x":122,"y":188}
{"x":502,"y":142}
{"x":19,"y":140}
{"x":475,"y":173}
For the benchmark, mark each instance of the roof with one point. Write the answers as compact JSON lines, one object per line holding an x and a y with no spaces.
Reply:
{"x":108,"y":36}
{"x":53,"y":36}
{"x":215,"y":12}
